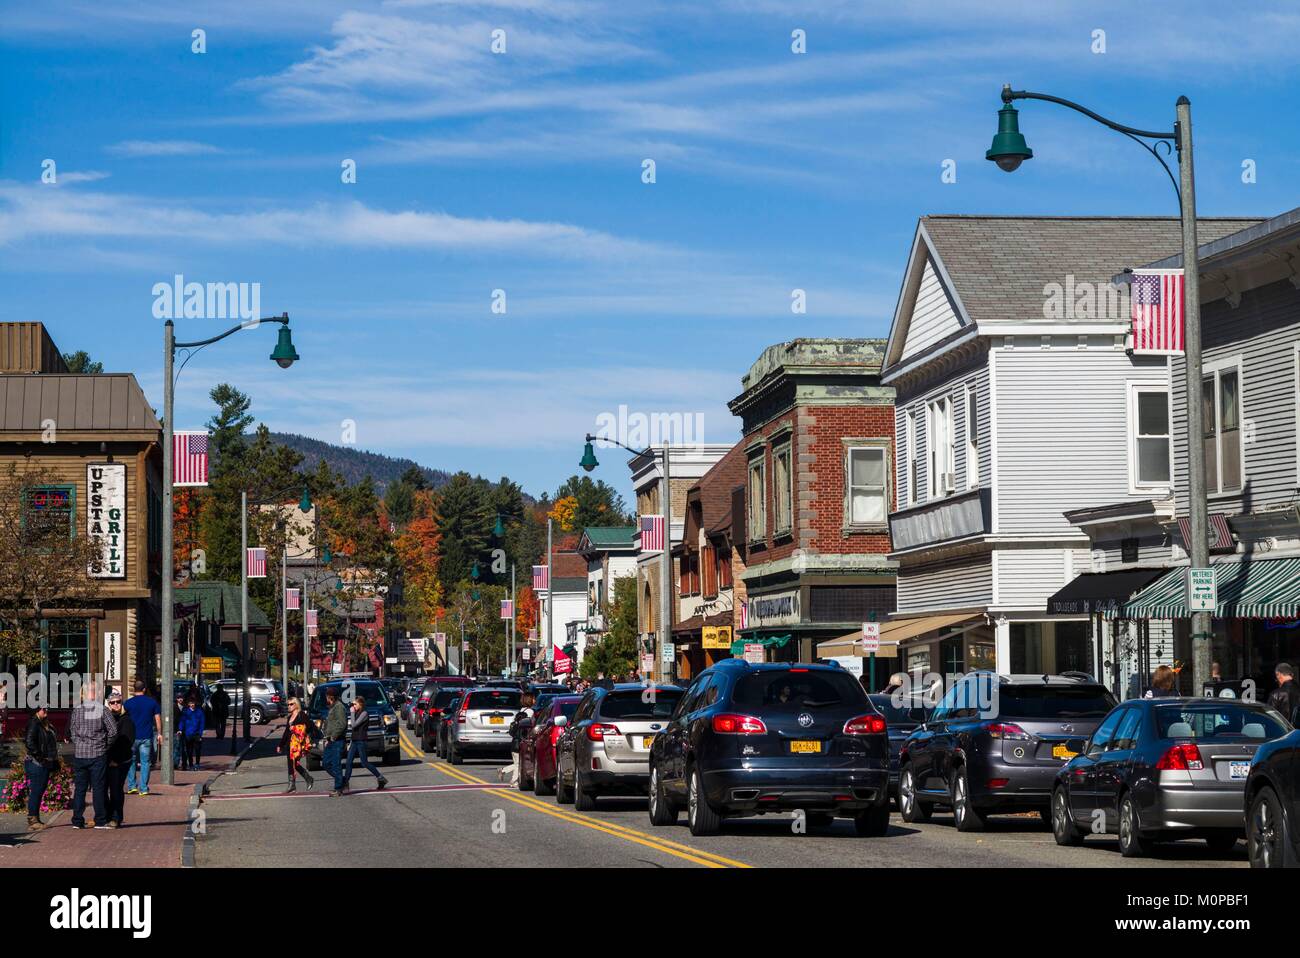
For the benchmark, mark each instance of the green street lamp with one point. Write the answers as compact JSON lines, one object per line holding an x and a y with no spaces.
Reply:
{"x":473,"y":572}
{"x":304,"y":504}
{"x":499,"y":529}
{"x":325,"y":555}
{"x":284,"y":354}
{"x":588,"y":460}
{"x":1009,"y":149}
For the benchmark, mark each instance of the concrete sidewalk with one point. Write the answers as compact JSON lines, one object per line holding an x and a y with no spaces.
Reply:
{"x":154,"y":827}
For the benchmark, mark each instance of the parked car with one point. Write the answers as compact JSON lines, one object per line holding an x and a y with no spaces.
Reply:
{"x":408,"y":703}
{"x":548,"y":688}
{"x":443,"y":733}
{"x":902,"y":717}
{"x":746,"y":739}
{"x":436,"y":712}
{"x":1272,"y":804}
{"x":1164,"y":769}
{"x":383,"y":733}
{"x":538,"y":736}
{"x":994,"y":744}
{"x":481,"y":723}
{"x":420,"y":702}
{"x":267,"y":701}
{"x":606,"y":746}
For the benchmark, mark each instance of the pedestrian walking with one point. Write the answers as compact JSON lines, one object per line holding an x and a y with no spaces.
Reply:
{"x":299,"y":733}
{"x":39,"y":764}
{"x":220,"y":702}
{"x":121,"y":753}
{"x":146,"y":719}
{"x":526,"y":710}
{"x":178,"y":757}
{"x":1286,"y":697}
{"x":191,"y":732}
{"x":336,"y":728}
{"x":359,"y":729}
{"x":93,"y":730}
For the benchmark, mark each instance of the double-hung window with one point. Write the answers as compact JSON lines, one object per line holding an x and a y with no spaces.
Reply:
{"x":1221,"y":413}
{"x":913,"y":460}
{"x":781,"y":490}
{"x":972,"y":440}
{"x":939,"y":445}
{"x":756,"y":506}
{"x":1149,"y":445}
{"x":867,"y":492}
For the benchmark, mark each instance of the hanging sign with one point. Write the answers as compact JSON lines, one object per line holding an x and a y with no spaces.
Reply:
{"x":106,"y":518}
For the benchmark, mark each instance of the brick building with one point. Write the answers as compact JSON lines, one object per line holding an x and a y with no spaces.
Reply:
{"x":818,"y":437}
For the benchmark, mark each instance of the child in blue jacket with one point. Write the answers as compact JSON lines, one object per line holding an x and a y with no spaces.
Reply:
{"x":191,"y":732}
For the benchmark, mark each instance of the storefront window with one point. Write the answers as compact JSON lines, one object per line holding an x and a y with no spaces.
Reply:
{"x":1073,"y":648}
{"x":1026,"y":647}
{"x":981,"y":655}
{"x":69,"y":646}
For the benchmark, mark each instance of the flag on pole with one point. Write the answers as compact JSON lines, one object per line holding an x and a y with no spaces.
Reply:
{"x":507,"y":609}
{"x":744,"y":615}
{"x":652,"y":533}
{"x":189,"y":459}
{"x":311,"y":618}
{"x":257,"y":563}
{"x":1157,"y":310}
{"x":291,"y":599}
{"x":541,"y":577}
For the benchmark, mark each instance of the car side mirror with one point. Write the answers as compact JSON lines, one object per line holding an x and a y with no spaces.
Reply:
{"x":560,"y":721}
{"x":1077,"y":745}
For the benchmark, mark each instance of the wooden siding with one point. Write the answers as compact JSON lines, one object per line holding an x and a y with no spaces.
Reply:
{"x":914,"y":400}
{"x":1026,"y":578}
{"x":1062,"y":431}
{"x":956,"y":584}
{"x":1264,"y":331}
{"x":933,"y":317}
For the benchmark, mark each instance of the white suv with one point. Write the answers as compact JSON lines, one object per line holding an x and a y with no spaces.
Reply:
{"x":481,"y":723}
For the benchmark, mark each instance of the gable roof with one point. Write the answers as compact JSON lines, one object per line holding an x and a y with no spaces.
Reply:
{"x":995,"y":268}
{"x":598,"y":538}
{"x":219,"y":602}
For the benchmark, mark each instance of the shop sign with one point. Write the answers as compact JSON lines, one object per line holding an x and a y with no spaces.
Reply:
{"x":716,"y":637}
{"x":754,"y":652}
{"x":106,"y":518}
{"x":112,"y":656}
{"x":210,"y":665}
{"x":1202,"y":592}
{"x":779,"y":608}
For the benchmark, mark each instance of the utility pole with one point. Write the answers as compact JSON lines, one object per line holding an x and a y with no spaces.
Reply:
{"x":550,"y":589}
{"x":243,"y":609}
{"x":666,"y":579}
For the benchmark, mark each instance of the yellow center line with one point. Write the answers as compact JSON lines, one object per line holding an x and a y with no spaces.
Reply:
{"x":708,"y":859}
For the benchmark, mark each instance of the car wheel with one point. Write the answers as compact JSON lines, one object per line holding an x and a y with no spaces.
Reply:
{"x":964,"y":815}
{"x":1063,"y":828}
{"x":563,"y":792}
{"x":256,"y":716}
{"x":1268,"y":837}
{"x":424,"y":744}
{"x":1131,"y":842}
{"x":584,"y":799}
{"x":873,"y":822}
{"x":701,"y":817}
{"x":909,"y":806}
{"x":453,"y":755}
{"x":525,"y":783}
{"x":662,"y":810}
{"x":542,"y":786}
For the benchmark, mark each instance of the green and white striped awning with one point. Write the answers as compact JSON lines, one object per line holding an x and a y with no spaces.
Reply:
{"x":1248,"y":588}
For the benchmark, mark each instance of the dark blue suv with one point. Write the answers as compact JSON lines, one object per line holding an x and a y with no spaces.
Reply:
{"x":747,"y":739}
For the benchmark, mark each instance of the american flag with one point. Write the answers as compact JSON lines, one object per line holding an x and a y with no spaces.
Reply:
{"x":190,"y":459}
{"x":291,"y":599}
{"x":1157,"y":298}
{"x":541,"y":577}
{"x":507,"y":609}
{"x":744,"y":615}
{"x":311,"y":618}
{"x":257,"y":563}
{"x":652,"y":533}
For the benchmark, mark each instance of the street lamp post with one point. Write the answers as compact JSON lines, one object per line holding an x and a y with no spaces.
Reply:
{"x":1009,"y":150}
{"x":664,"y":634}
{"x":284,"y":355}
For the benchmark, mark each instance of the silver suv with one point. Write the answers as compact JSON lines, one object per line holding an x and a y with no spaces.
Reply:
{"x":606,"y":746}
{"x":267,"y":699}
{"x":481,"y":723}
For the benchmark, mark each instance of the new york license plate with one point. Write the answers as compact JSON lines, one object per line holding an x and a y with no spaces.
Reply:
{"x":805,"y":748}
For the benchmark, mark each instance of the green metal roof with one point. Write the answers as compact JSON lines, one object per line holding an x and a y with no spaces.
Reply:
{"x":219,"y":602}
{"x":609,"y":536}
{"x":1248,"y":588}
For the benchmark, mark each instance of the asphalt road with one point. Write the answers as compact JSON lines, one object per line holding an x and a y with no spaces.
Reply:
{"x":439,"y":815}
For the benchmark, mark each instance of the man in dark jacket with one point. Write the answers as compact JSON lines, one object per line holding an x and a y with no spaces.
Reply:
{"x":336,"y":728}
{"x":120,"y":755}
{"x":1286,"y":697}
{"x":41,"y":761}
{"x":220,"y":703}
{"x":360,"y":731}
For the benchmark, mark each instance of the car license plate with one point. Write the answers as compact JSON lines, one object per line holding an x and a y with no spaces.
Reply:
{"x":496,"y":720}
{"x":1061,"y":752}
{"x":1238,"y":770}
{"x":647,"y":741}
{"x":806,"y":747}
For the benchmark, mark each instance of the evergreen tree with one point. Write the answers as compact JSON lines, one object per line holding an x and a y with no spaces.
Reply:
{"x":465,"y":521}
{"x":598,"y":503}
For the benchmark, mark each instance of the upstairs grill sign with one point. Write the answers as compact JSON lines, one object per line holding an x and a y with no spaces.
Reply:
{"x":106,"y":518}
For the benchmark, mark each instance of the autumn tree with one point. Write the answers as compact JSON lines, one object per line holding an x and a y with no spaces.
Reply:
{"x":416,"y":548}
{"x":616,"y":652}
{"x":595,"y":503}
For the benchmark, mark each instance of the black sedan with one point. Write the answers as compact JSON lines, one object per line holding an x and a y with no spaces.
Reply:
{"x":1163,"y":769}
{"x":1272,"y":804}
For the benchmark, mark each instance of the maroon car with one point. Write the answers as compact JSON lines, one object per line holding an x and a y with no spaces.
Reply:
{"x":432,"y":685}
{"x":537,"y":746}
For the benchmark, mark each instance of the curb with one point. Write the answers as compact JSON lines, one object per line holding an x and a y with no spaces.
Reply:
{"x":202,"y":788}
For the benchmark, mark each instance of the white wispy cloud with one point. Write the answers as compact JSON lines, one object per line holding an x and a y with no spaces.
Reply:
{"x":137,"y":148}
{"x":79,"y":176}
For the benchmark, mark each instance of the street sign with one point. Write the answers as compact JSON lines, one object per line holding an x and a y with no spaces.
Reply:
{"x":870,"y":636}
{"x":1202,"y":592}
{"x":667,"y":653}
{"x":210,"y":665}
{"x":754,"y":652}
{"x":528,"y":654}
{"x":647,"y":663}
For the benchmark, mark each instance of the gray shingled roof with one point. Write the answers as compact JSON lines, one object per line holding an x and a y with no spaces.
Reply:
{"x":76,"y":402}
{"x":999,"y":264}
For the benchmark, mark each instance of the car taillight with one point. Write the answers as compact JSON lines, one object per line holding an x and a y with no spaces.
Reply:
{"x":435,"y":711}
{"x":1184,"y":757}
{"x":597,"y":732}
{"x":555,"y":734}
{"x":870,"y":724}
{"x":1006,"y":730}
{"x":460,"y":715}
{"x":275,"y":698}
{"x":728,"y":724}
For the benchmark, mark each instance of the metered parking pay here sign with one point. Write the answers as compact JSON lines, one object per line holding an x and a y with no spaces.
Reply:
{"x":1202,"y":594}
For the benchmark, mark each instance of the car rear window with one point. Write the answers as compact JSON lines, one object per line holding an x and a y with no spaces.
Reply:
{"x":494,"y":699}
{"x":444,"y":698}
{"x":1219,"y":721}
{"x":629,"y":704}
{"x":1053,"y":701}
{"x":776,"y":690}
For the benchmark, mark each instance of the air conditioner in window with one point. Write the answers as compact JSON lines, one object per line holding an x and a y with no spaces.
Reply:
{"x":949,"y":482}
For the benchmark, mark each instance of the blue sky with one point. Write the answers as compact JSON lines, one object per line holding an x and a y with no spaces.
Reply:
{"x":522,"y":171}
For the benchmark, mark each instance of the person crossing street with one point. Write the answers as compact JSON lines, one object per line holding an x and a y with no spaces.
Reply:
{"x":335,"y":730}
{"x":359,"y":730}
